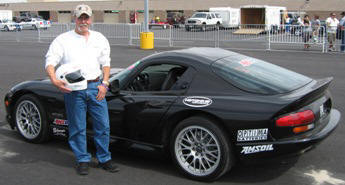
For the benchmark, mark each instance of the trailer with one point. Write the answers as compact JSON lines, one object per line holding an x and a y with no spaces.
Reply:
{"x":230,"y":16}
{"x":6,"y":15}
{"x":260,"y":18}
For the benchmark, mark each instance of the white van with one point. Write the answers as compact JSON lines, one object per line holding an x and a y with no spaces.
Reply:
{"x":230,"y":16}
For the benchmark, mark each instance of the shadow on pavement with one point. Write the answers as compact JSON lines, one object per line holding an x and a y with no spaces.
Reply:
{"x":58,"y":153}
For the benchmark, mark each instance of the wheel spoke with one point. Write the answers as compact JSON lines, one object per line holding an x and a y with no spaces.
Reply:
{"x":209,"y":160}
{"x":202,"y":163}
{"x":184,"y":145}
{"x":209,"y":153}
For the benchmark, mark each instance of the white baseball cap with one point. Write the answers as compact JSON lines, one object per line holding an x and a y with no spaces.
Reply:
{"x":82,"y":9}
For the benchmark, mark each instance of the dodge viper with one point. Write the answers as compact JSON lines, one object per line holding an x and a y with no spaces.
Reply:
{"x":207,"y":107}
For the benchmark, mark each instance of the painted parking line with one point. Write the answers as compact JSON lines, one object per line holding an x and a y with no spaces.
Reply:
{"x":324,"y":177}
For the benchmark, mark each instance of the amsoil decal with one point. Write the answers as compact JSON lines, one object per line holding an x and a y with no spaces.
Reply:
{"x":60,"y":122}
{"x":255,"y":149}
{"x":59,"y":132}
{"x":197,"y":101}
{"x":252,"y":134}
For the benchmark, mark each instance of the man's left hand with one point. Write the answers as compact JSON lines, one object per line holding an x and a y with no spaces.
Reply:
{"x":101,"y":92}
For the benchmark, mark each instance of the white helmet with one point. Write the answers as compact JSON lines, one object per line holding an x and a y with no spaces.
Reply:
{"x":72,"y":75}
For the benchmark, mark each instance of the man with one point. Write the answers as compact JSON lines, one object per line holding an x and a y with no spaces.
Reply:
{"x":332,"y":25}
{"x":91,"y":50}
{"x":342,"y":25}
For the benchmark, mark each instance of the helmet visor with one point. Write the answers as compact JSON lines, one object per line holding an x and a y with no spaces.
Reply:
{"x":74,"y":77}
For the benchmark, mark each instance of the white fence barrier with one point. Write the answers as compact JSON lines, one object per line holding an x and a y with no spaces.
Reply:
{"x":243,"y":36}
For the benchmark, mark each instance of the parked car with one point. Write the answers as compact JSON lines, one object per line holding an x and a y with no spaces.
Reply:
{"x":7,"y":25}
{"x":203,"y":20}
{"x":208,"y":107}
{"x":35,"y":23}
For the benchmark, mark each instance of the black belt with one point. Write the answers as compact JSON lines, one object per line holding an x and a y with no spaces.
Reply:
{"x":94,"y":80}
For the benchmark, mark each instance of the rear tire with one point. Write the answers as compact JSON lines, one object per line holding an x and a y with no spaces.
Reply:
{"x":31,"y":119}
{"x":201,"y":149}
{"x":203,"y":27}
{"x":6,"y":28}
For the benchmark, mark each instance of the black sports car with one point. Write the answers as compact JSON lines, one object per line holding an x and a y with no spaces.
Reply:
{"x":209,"y":107}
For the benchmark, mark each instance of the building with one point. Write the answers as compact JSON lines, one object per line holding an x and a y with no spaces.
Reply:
{"x":121,"y":11}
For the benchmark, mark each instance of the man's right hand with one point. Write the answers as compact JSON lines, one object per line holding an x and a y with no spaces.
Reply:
{"x":61,"y":86}
{"x":56,"y":82}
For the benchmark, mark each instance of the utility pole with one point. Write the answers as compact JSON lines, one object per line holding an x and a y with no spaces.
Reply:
{"x":146,"y":21}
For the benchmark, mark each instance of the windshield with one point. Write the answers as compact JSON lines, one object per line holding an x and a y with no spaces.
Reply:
{"x":199,"y":15}
{"x":257,"y":76}
{"x":122,"y":74}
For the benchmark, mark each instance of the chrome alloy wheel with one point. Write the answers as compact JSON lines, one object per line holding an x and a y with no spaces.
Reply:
{"x":197,"y":150}
{"x":28,"y":119}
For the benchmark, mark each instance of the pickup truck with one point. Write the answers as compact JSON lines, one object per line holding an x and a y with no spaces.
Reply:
{"x":203,"y":20}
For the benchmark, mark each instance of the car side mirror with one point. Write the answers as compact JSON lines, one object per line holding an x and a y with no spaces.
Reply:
{"x":115,"y":87}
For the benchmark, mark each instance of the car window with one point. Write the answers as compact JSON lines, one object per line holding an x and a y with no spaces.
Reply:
{"x":213,"y":16}
{"x":199,"y":15}
{"x":121,"y":75}
{"x":218,"y":16}
{"x":157,"y":77}
{"x":257,"y":76}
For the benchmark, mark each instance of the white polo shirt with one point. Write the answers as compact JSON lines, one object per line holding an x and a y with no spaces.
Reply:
{"x":70,"y":47}
{"x":332,"y":25}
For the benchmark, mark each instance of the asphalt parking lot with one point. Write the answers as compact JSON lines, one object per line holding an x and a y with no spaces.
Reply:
{"x":53,"y":162}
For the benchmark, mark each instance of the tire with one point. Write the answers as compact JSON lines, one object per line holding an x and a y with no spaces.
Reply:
{"x":6,"y":28}
{"x":187,"y":29}
{"x":200,"y":149}
{"x":31,"y":119}
{"x":203,"y":27}
{"x":217,"y":26}
{"x":34,"y":27}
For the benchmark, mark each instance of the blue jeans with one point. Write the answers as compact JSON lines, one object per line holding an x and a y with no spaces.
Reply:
{"x":342,"y":47}
{"x":77,"y":103}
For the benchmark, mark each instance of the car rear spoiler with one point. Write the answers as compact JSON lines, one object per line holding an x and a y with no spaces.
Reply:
{"x":307,"y":94}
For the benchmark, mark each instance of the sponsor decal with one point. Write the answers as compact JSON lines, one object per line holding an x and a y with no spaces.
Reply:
{"x":256,"y":149}
{"x":59,"y":132}
{"x":197,"y":101}
{"x":252,"y":134}
{"x":246,"y":63}
{"x":60,"y":122}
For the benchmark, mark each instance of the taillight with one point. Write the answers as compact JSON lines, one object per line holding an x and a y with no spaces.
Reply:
{"x":296,"y":119}
{"x":41,"y":22}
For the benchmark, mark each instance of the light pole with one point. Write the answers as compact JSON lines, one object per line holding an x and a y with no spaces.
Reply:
{"x":146,"y":21}
{"x":146,"y":37}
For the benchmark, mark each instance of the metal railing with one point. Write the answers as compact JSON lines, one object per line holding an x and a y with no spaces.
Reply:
{"x":309,"y":36}
{"x":264,"y":37}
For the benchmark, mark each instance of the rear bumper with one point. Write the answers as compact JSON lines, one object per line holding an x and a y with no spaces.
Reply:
{"x":287,"y":147}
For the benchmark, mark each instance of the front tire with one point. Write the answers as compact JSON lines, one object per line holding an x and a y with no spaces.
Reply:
{"x":200,"y":149}
{"x":31,"y":119}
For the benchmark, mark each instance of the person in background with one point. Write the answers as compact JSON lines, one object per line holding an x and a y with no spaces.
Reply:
{"x":90,"y":50}
{"x":332,"y":25}
{"x":316,"y":24}
{"x":306,"y":34}
{"x":342,"y":26}
{"x":287,"y":23}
